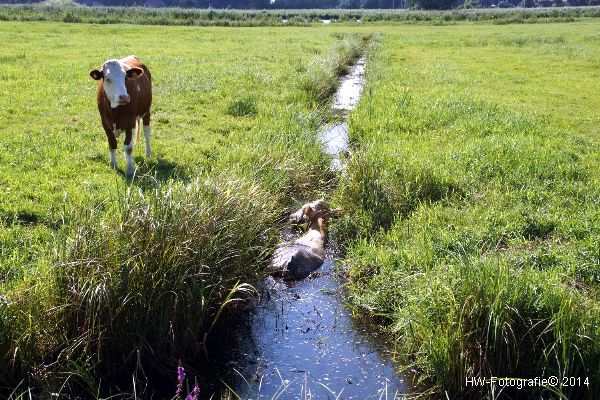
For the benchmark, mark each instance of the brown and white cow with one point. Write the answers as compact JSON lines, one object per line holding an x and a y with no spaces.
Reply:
{"x":124,"y":98}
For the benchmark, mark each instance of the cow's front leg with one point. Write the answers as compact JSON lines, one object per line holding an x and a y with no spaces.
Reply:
{"x":113,"y":158}
{"x":112,"y":146}
{"x":128,"y":148}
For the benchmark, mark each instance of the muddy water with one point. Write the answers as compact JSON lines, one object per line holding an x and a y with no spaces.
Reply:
{"x":301,"y":340}
{"x":335,"y":142}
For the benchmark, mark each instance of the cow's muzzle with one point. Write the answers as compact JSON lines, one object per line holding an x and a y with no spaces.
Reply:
{"x":123,"y":99}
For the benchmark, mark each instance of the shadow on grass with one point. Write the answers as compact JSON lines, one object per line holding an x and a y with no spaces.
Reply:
{"x":150,"y":171}
{"x":155,"y":170}
{"x":160,"y":169}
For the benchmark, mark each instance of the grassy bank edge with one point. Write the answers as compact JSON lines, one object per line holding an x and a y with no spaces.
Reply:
{"x":478,"y":316}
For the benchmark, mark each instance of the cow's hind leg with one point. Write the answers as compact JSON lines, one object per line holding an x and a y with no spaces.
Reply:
{"x":128,"y":148}
{"x":146,"y":121}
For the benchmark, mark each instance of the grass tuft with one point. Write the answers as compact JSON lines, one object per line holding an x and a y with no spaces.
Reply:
{"x":245,"y":107}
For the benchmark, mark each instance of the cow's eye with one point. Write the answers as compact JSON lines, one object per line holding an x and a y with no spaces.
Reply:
{"x":108,"y":80}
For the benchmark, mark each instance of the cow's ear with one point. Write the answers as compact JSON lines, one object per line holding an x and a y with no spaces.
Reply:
{"x":97,"y":75}
{"x":308,"y":213}
{"x":134,"y":72}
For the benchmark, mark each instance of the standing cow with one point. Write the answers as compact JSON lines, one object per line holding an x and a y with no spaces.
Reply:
{"x":124,"y":98}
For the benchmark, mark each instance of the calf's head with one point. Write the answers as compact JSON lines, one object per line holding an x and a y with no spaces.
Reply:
{"x":114,"y":73}
{"x":311,"y":212}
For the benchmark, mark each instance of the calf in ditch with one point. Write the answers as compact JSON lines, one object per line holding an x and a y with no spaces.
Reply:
{"x":297,"y":259}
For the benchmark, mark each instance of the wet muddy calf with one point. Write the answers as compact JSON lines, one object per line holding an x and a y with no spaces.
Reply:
{"x":297,"y":259}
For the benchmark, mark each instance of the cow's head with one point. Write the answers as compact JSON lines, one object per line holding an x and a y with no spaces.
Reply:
{"x":114,"y":74}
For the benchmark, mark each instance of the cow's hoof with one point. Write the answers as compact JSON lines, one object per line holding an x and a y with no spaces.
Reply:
{"x":148,"y":153}
{"x":130,"y":170}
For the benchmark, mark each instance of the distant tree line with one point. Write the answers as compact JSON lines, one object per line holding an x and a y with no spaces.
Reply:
{"x":332,"y":4}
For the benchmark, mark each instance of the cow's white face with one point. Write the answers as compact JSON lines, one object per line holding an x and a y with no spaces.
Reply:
{"x":114,"y":74}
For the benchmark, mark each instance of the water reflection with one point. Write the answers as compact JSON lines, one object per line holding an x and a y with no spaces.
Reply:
{"x":305,"y":342}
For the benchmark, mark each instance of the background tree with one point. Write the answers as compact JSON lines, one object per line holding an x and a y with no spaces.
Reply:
{"x":433,"y":4}
{"x":471,"y":4}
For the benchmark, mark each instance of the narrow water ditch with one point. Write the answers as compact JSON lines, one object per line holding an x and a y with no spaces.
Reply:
{"x":335,"y":136}
{"x":301,"y":341}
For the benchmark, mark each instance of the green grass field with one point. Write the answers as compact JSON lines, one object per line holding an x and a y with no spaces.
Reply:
{"x":96,"y":267}
{"x":474,"y":192}
{"x":54,"y":157}
{"x":471,"y":200}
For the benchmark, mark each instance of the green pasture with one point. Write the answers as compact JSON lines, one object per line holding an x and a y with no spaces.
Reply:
{"x":89,"y":258}
{"x":471,"y":217}
{"x":472,"y":203}
{"x":54,"y":150}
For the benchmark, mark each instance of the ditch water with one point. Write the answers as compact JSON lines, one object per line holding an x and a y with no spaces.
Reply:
{"x":335,"y":136}
{"x":301,"y":340}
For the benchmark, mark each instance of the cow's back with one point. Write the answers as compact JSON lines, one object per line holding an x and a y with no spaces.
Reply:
{"x":295,"y":260}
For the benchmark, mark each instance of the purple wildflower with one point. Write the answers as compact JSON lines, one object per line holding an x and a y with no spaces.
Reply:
{"x":194,"y":394}
{"x":180,"y":379}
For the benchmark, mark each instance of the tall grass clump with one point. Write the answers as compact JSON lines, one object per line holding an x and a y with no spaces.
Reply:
{"x":143,"y":289}
{"x":319,"y":81}
{"x":245,"y":107}
{"x":471,"y":217}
